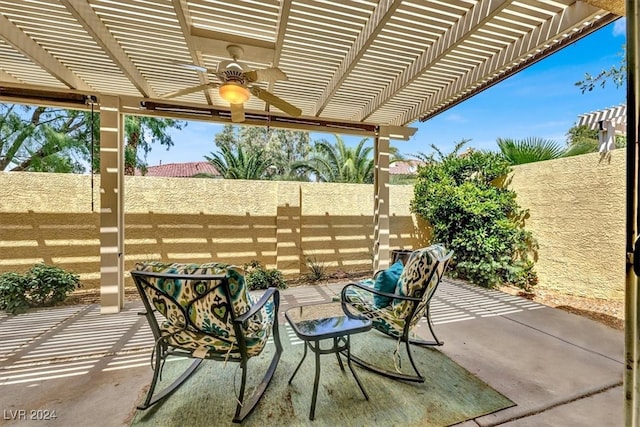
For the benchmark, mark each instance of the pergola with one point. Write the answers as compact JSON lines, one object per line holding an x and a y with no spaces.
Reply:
{"x":609,"y":123}
{"x":365,"y":67}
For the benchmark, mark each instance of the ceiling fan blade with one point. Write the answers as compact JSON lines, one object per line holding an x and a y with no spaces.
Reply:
{"x":194,"y":67}
{"x":279,"y":103}
{"x":189,"y":90}
{"x":237,"y":113}
{"x":265,"y":75}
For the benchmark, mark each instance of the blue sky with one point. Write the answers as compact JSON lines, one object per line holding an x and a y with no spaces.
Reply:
{"x":540,"y":101}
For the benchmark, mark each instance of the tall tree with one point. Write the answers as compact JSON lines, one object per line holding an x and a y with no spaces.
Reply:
{"x":45,"y":139}
{"x":42,"y":139}
{"x":141,"y":133}
{"x":339,"y":163}
{"x":281,"y":147}
{"x":235,"y":163}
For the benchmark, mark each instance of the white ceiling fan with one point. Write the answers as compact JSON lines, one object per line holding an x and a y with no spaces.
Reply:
{"x":234,"y":85}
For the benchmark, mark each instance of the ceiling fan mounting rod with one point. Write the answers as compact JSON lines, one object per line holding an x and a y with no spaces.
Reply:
{"x":235,"y":51}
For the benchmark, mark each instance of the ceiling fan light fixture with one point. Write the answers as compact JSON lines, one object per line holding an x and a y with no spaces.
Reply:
{"x":234,"y":93}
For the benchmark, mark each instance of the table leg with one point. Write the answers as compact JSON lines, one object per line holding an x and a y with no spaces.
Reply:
{"x":366,"y":396}
{"x":335,"y":346}
{"x":299,"y":364}
{"x":315,"y":382}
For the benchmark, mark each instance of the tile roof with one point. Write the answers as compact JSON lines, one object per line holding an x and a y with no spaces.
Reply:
{"x":405,"y":168}
{"x":182,"y":170}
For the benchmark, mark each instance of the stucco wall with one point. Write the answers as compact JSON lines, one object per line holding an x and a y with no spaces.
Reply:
{"x":576,"y":206}
{"x":48,"y":218}
{"x":577,"y":215}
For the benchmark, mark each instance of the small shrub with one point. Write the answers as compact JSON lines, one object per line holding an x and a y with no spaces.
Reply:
{"x":50,"y":285}
{"x":317,"y":269}
{"x":43,"y":285}
{"x":13,"y":293}
{"x":258,"y":277}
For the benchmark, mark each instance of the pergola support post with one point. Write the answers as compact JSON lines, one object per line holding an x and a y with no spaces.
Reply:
{"x":632,"y":296}
{"x":381,"y":199}
{"x":111,"y":206}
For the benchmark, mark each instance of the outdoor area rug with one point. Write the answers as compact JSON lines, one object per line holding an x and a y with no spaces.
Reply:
{"x":450,"y":394}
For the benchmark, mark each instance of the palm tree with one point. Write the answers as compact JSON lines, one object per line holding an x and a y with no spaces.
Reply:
{"x":338,"y":163}
{"x":233,"y":163}
{"x":528,"y":150}
{"x":533,"y":149}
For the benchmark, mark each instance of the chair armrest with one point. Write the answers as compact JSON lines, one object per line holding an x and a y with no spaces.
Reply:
{"x":270,"y":293}
{"x":375,"y":291}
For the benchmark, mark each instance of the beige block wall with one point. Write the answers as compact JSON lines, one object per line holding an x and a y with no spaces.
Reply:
{"x":577,"y":214}
{"x":576,"y":205}
{"x":48,"y":218}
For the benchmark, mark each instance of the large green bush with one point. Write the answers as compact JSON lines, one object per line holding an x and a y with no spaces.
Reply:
{"x":470,"y":210}
{"x":42,"y":285}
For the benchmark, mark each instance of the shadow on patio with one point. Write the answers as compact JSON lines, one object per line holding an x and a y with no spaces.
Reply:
{"x":558,"y":368}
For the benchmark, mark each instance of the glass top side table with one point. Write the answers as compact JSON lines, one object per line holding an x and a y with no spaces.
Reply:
{"x":333,"y":323}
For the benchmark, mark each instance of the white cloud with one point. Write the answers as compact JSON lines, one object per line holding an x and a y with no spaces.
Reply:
{"x":620,"y":27}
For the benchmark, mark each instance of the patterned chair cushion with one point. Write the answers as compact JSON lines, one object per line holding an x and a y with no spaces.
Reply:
{"x":383,"y":318}
{"x":412,"y":280}
{"x":210,"y":328}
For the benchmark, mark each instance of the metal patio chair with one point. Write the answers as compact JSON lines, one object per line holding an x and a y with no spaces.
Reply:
{"x":409,"y":302}
{"x":205,"y":312}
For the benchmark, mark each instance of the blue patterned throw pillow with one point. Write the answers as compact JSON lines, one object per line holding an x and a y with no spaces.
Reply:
{"x":386,"y":281}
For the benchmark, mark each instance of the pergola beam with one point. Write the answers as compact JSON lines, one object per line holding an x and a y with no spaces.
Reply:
{"x":184,"y":18}
{"x":36,"y":53}
{"x":182,"y":110}
{"x":94,"y":26}
{"x":478,"y":16}
{"x":283,"y":19}
{"x":379,"y":18}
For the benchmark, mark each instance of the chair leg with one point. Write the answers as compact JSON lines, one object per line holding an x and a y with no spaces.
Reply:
{"x":151,"y":399}
{"x":392,"y":374}
{"x":436,"y":341}
{"x":244,"y":408}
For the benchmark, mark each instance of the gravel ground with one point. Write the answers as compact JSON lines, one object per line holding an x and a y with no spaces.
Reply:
{"x":611,"y":313}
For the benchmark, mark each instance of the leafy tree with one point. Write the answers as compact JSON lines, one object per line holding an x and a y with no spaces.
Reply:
{"x":45,"y":139}
{"x":42,"y":139}
{"x":141,"y":132}
{"x":234,"y":163}
{"x":470,"y":210}
{"x":339,"y":163}
{"x":281,"y":147}
{"x":617,"y":74}
{"x":583,"y":135}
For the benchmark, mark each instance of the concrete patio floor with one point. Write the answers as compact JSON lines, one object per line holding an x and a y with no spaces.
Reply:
{"x":90,"y":369}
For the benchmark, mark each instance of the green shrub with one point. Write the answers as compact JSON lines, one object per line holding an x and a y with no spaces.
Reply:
{"x":42,"y":285}
{"x":258,"y":277}
{"x":471,"y":211}
{"x":13,"y":293}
